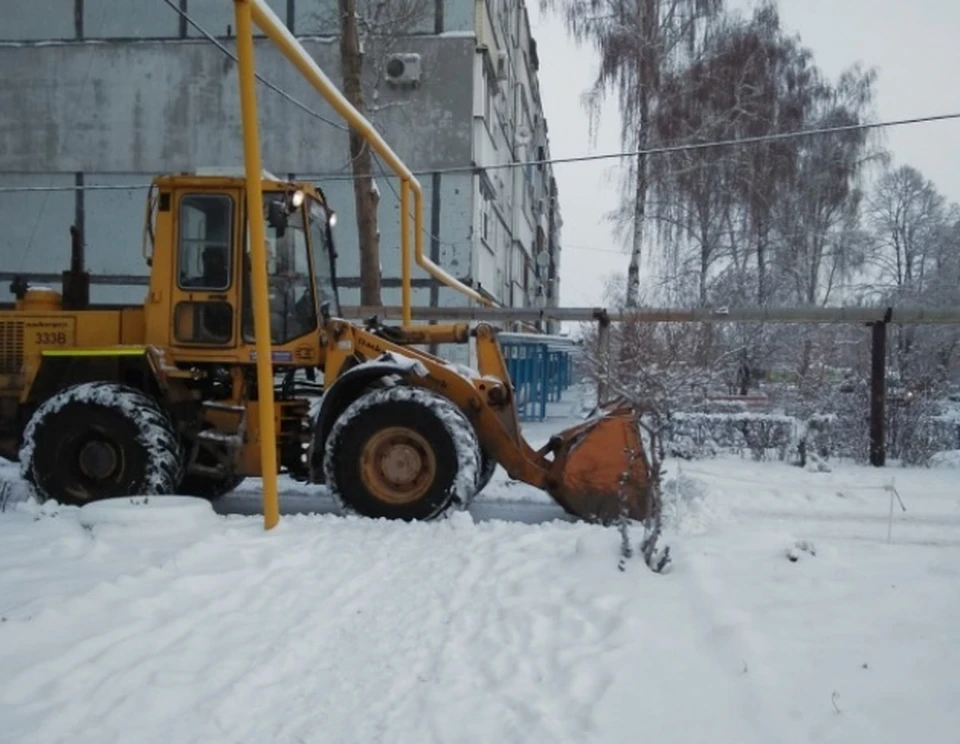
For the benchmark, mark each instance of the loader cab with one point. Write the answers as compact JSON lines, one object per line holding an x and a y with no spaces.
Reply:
{"x":300,"y":266}
{"x":200,"y":301}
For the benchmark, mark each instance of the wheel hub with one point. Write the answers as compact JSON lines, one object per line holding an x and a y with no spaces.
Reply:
{"x":97,"y":459}
{"x":398,"y":465}
{"x":401,"y":464}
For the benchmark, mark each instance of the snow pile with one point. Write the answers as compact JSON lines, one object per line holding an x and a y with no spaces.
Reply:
{"x":408,"y":364}
{"x":689,"y":508}
{"x":150,"y":515}
{"x":13,"y":490}
{"x":946,"y":459}
{"x":462,"y":370}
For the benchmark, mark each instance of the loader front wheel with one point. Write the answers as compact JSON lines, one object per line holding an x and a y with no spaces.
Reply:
{"x":100,"y":440}
{"x":488,"y":466}
{"x":402,"y":453}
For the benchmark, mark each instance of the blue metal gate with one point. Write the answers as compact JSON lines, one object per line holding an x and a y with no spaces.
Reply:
{"x":540,"y":368}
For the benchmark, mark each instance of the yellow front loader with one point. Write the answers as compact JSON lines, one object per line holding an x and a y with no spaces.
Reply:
{"x":165,"y":397}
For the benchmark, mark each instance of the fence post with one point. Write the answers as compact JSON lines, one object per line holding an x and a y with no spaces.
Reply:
{"x":559,"y":369}
{"x":544,"y":355}
{"x":603,"y":355}
{"x":878,"y":380}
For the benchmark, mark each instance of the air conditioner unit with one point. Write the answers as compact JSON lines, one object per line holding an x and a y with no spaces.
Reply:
{"x":403,"y":69}
{"x":503,"y":60}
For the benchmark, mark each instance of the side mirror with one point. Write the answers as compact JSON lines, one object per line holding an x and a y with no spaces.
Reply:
{"x":277,"y":217}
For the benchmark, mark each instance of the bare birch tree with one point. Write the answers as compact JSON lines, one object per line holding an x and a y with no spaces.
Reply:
{"x":638,"y":42}
{"x":907,"y":215}
{"x":915,"y":255}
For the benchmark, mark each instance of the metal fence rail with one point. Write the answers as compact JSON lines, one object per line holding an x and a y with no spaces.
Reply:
{"x":814,"y":315}
{"x":877,"y":318}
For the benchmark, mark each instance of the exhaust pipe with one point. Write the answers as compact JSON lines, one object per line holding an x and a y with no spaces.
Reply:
{"x":76,"y":281}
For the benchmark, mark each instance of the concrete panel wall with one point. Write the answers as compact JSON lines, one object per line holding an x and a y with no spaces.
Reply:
{"x":458,"y":15}
{"x":120,"y":111}
{"x":340,"y":196}
{"x":55,"y":19}
{"x":38,"y":19}
{"x":36,"y":235}
{"x":36,"y":239}
{"x":111,"y":19}
{"x":113,"y":225}
{"x":160,"y":106}
{"x":215,"y":15}
{"x":28,"y":243}
{"x":319,"y":17}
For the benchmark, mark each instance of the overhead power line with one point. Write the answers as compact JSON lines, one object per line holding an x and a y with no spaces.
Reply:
{"x":74,"y":187}
{"x":667,"y":149}
{"x":473,"y":168}
{"x":272,"y":86}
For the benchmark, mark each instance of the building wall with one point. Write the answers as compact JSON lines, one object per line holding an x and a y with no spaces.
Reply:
{"x":123,"y":90}
{"x":513,"y":203}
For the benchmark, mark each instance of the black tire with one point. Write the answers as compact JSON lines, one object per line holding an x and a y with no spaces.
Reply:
{"x":99,"y":440}
{"x":427,"y":429}
{"x":207,"y":487}
{"x":488,"y":466}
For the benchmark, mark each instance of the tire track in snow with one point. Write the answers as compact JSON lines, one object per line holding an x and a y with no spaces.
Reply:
{"x":739,"y":651}
{"x":531,"y":662}
{"x":356,"y":630}
{"x":170,"y":596}
{"x":393,"y":637}
{"x":164,"y":615}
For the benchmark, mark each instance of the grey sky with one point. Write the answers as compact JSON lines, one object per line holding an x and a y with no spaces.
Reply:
{"x":913,"y":45}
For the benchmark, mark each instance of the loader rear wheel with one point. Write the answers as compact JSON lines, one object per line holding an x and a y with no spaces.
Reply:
{"x":100,"y":440}
{"x":402,"y":453}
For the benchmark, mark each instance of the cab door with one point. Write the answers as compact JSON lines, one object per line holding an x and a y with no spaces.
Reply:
{"x":205,"y":272}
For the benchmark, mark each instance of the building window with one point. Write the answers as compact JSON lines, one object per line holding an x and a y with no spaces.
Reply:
{"x":487,"y":217}
{"x":489,"y":94}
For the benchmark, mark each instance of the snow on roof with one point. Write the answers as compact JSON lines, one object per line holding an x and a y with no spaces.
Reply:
{"x":231,"y":171}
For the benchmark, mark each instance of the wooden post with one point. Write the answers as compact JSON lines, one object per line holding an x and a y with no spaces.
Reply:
{"x":878,"y":379}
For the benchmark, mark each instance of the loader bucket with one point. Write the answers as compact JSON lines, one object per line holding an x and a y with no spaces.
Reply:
{"x":600,"y":469}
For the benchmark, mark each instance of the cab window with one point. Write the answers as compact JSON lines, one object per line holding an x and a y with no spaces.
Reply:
{"x":205,"y":232}
{"x":293,"y":307}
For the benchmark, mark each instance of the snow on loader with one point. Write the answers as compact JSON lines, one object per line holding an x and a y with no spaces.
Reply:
{"x":101,"y":401}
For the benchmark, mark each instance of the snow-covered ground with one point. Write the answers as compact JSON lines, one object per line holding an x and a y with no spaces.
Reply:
{"x":788,"y":616}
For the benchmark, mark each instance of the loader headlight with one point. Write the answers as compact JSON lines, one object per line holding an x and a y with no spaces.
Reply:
{"x":332,"y":219}
{"x":296,"y":199}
